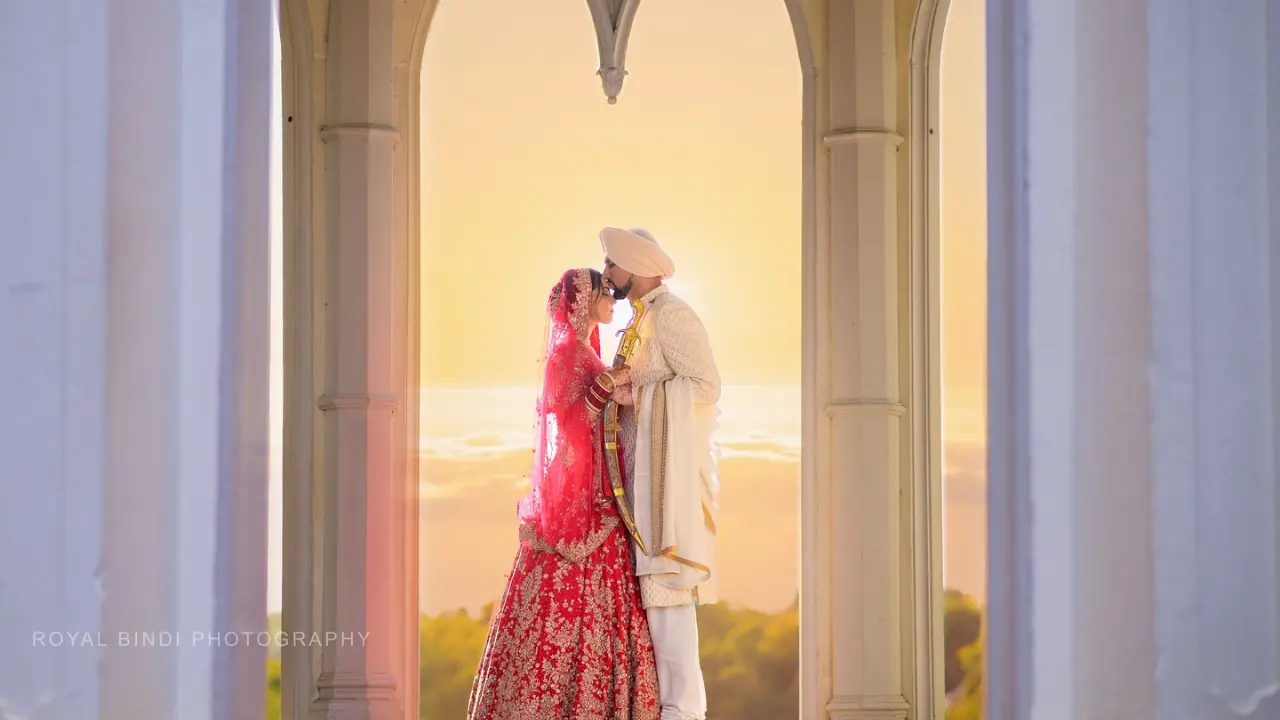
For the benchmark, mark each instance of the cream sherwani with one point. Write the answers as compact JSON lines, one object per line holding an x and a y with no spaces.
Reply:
{"x":667,"y":444}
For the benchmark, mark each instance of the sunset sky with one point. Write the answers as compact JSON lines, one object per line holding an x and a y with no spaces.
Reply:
{"x":524,"y":161}
{"x":963,"y":225}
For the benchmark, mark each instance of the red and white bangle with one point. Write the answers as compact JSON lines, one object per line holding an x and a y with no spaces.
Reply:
{"x":599,"y":392}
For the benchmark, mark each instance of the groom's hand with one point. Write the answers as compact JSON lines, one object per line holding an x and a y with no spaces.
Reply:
{"x":621,"y":375}
{"x":622,"y":395}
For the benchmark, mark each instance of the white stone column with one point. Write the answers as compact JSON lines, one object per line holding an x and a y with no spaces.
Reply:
{"x":1215,"y":237}
{"x":135,"y":241}
{"x":362,"y":492}
{"x":1134,"y":371}
{"x":53,"y":291}
{"x":186,"y":462}
{"x":866,"y":651}
{"x":302,"y":65}
{"x":413,"y":20}
{"x":1070,"y":633}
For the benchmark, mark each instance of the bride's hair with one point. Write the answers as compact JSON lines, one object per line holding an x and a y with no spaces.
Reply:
{"x":557,"y":292}
{"x":570,"y":307}
{"x":597,"y":287}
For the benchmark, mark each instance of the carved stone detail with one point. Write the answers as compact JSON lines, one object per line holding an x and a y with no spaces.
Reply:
{"x":613,"y":19}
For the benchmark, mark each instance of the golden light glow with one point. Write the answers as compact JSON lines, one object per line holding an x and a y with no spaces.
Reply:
{"x":524,"y":161}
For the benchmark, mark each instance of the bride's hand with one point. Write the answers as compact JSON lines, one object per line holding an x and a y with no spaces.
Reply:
{"x":622,"y":395}
{"x":621,"y":375}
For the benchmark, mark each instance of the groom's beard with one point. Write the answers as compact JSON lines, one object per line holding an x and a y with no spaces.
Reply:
{"x":621,"y":293}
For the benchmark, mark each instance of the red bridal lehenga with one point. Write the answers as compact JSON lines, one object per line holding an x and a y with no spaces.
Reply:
{"x":569,"y":639}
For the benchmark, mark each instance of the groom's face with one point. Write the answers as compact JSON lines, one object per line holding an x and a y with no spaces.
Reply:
{"x":618,"y":279}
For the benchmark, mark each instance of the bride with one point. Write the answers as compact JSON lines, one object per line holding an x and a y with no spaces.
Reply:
{"x":570,"y":638}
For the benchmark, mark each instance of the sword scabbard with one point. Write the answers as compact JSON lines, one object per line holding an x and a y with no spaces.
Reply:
{"x":626,"y":348}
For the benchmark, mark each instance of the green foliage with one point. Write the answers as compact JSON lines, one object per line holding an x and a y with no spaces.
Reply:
{"x":962,"y":655}
{"x":962,"y":623}
{"x":750,"y":660}
{"x":968,"y":699}
{"x":450,"y":648}
{"x":273,"y":688}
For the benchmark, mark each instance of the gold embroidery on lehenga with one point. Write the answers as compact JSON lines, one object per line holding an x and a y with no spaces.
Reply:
{"x":569,"y":639}
{"x":557,"y":660}
{"x":573,"y":552}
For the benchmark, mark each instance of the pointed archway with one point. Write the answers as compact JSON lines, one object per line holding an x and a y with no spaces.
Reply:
{"x":870,"y":526}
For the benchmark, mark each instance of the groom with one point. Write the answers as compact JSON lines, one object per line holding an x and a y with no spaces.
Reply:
{"x":667,"y":415}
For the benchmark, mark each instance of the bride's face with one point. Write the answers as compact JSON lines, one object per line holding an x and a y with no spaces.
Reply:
{"x":602,"y":308}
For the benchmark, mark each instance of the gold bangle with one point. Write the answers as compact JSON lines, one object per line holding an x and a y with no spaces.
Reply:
{"x":606,"y":382}
{"x":595,"y":403}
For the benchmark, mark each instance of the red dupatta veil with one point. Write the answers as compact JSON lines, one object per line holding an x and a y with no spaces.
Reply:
{"x":566,"y":507}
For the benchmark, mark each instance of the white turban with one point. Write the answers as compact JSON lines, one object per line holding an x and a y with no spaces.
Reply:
{"x":637,"y":252}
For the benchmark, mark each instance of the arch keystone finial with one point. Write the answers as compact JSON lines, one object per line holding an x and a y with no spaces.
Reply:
{"x":613,"y":19}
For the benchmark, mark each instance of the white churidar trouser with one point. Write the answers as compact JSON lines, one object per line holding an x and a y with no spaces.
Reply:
{"x":681,"y":691}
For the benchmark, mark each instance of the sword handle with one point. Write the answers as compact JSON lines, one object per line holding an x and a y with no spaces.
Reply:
{"x":630,"y":335}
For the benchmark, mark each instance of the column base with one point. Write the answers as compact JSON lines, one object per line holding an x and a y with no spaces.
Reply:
{"x":356,"y":696}
{"x":868,"y":707}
